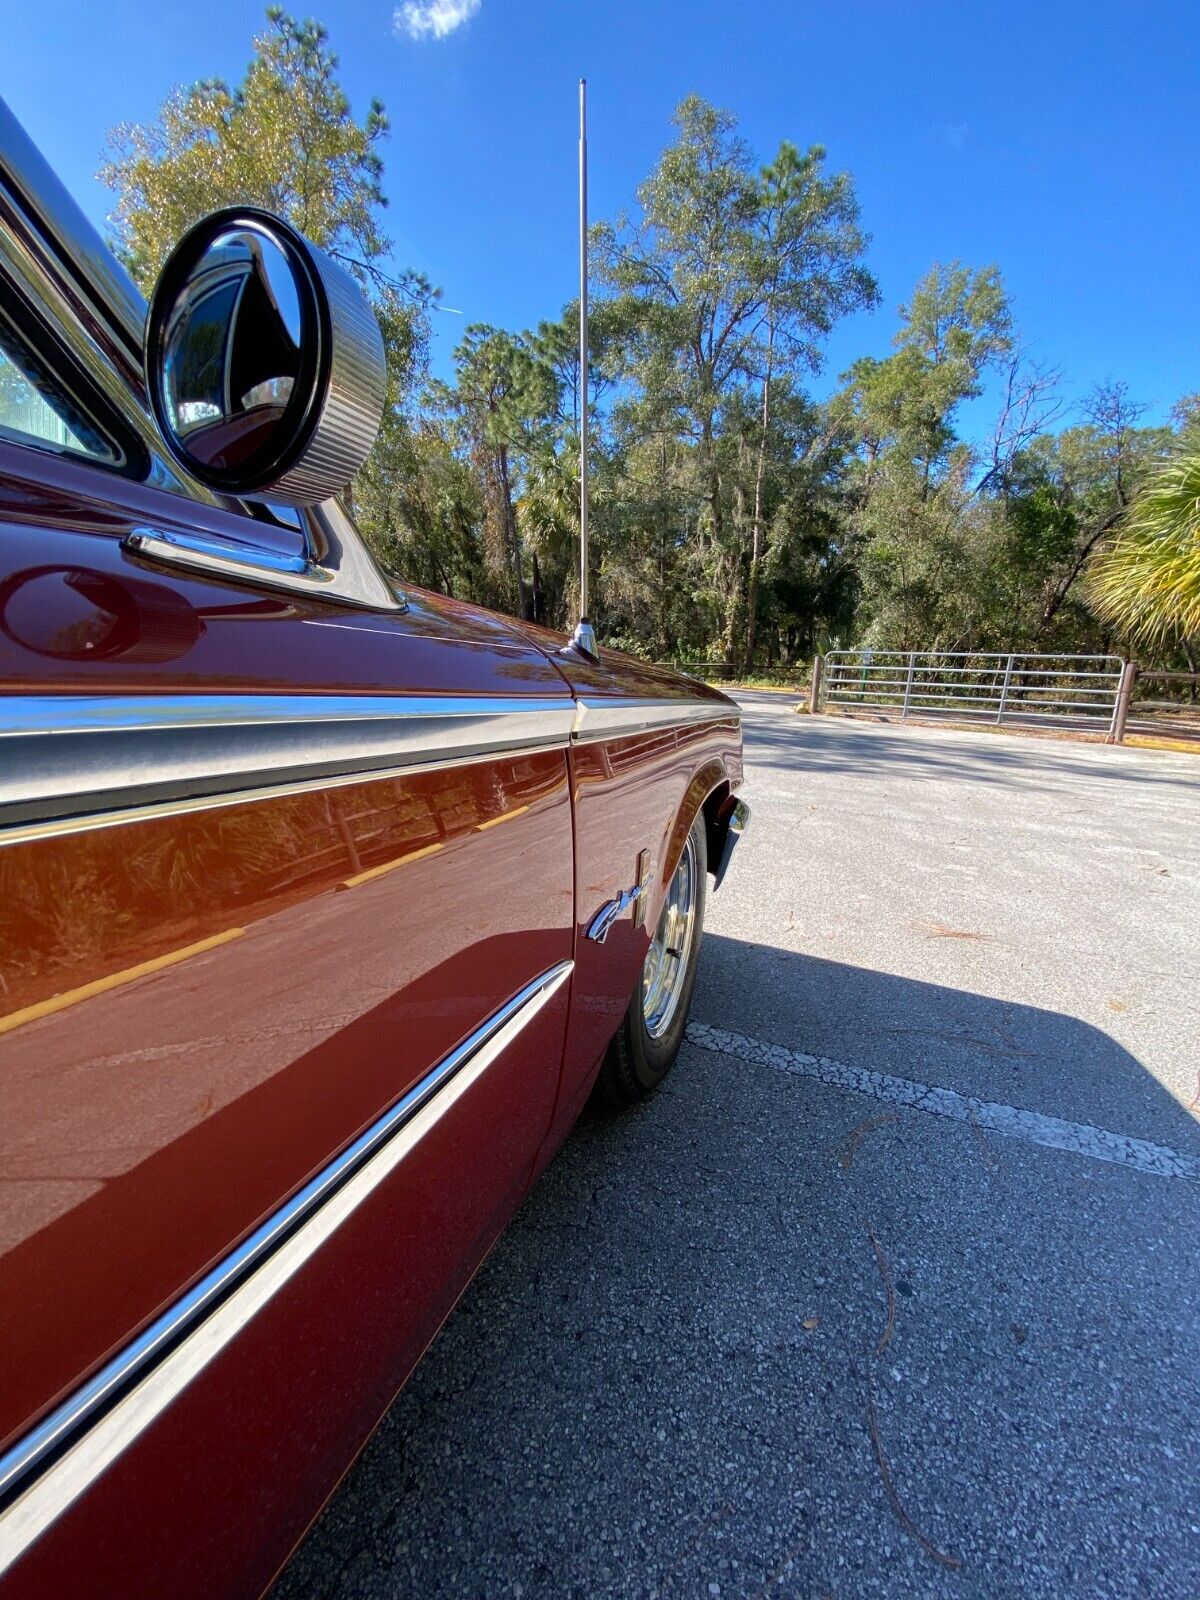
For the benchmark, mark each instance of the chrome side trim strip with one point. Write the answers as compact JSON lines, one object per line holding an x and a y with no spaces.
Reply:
{"x":73,"y":763}
{"x":618,"y":718}
{"x":64,"y":756}
{"x":55,"y":715}
{"x":109,"y":1415}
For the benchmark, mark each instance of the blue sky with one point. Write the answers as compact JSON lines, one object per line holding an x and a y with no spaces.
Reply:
{"x":1057,"y":139}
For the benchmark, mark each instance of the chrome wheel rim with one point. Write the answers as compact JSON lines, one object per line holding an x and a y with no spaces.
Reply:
{"x":666,"y":964}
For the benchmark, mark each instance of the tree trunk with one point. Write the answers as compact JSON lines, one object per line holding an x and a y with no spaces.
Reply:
{"x":1058,"y":597}
{"x":513,"y":539}
{"x":539,"y":599}
{"x":735,"y":589}
{"x":714,"y":481}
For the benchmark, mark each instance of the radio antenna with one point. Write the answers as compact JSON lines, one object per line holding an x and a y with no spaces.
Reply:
{"x":584,"y":638}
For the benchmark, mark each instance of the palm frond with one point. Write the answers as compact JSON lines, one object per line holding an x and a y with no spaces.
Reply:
{"x":1147,"y":579}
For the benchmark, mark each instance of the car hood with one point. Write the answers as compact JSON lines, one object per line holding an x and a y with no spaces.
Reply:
{"x":614,"y":675}
{"x":617,"y":675}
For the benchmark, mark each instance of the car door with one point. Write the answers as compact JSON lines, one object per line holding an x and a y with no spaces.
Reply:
{"x":286,"y":929}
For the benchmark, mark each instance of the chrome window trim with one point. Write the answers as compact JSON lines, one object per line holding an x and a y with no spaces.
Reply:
{"x":79,"y":249}
{"x":161,"y":1362}
{"x":29,"y":263}
{"x":74,"y":763}
{"x":116,"y":460}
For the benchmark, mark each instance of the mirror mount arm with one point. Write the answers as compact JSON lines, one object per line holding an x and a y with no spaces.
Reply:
{"x":337,"y":568}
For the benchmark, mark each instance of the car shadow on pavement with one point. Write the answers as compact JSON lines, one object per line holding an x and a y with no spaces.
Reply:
{"x":768,"y":1335}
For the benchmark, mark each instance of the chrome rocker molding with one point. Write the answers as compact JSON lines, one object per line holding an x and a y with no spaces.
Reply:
{"x":54,"y":1464}
{"x":76,"y":762}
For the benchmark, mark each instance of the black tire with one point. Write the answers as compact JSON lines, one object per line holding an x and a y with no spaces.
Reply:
{"x":636,"y":1061}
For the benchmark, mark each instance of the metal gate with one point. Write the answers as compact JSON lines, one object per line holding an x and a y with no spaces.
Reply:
{"x":1075,"y":691}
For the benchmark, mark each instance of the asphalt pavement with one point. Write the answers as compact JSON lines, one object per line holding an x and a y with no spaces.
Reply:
{"x":892,"y":1289}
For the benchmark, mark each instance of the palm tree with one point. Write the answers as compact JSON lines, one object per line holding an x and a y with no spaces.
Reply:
{"x":1147,"y":579}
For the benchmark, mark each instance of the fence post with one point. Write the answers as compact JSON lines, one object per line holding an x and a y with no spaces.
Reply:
{"x":814,"y":689}
{"x":1004,"y":689}
{"x":1116,"y":732}
{"x":908,"y":683}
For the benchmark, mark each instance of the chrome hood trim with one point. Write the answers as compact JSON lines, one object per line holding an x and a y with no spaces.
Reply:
{"x":618,"y":718}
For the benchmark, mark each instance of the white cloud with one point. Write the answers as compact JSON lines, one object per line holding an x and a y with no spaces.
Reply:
{"x":424,"y":19}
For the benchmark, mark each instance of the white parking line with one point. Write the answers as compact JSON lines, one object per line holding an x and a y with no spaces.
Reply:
{"x":1080,"y":1138}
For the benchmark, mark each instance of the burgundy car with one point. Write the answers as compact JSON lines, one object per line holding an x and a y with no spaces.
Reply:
{"x":325,"y":904}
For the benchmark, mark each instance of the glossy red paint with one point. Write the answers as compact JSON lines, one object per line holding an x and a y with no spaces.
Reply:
{"x":176,"y":632}
{"x":199,"y":1011}
{"x":629,"y":795}
{"x":232,"y":1075}
{"x":211,"y":1499}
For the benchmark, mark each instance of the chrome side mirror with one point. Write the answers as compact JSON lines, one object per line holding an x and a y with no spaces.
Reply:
{"x":264,"y":362}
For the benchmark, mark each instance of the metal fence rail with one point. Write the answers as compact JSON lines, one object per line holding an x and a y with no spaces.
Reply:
{"x":1079,"y":691}
{"x":1166,"y":704}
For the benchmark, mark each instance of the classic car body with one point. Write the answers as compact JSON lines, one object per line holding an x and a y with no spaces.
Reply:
{"x":296,"y":990}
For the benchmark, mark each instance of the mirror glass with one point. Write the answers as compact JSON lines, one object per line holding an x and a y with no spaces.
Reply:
{"x":232,"y":350}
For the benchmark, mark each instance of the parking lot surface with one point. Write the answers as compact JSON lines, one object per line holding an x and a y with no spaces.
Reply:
{"x":893,"y":1288}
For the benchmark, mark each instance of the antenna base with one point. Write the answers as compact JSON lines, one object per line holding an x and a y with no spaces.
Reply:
{"x":584,"y":639}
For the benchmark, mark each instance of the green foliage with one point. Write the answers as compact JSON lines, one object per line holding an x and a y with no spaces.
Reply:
{"x":1147,"y":579}
{"x":284,"y":138}
{"x":734,"y":518}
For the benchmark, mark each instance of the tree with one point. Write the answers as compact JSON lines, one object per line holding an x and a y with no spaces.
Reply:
{"x":730,"y":275}
{"x":285,"y":139}
{"x":503,"y":398}
{"x":733,"y":515}
{"x":911,"y":494}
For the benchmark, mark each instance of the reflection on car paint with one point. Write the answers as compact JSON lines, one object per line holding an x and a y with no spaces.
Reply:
{"x":121,"y":1081}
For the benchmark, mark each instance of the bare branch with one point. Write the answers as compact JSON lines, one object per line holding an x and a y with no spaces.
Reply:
{"x":1031,"y":404}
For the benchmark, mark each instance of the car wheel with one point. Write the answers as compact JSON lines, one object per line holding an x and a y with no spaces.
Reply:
{"x":644,"y":1047}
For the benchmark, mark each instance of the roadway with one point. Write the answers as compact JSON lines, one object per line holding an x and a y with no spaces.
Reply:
{"x":893,"y":1289}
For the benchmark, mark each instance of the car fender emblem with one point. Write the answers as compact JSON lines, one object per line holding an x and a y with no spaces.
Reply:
{"x":614,"y":910}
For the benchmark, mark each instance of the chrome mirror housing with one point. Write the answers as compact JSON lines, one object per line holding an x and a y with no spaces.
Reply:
{"x":264,"y":362}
